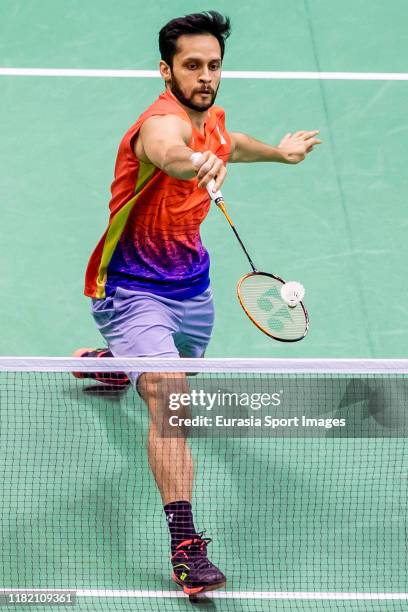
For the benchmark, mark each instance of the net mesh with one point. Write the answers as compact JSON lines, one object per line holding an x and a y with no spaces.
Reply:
{"x":301,"y":517}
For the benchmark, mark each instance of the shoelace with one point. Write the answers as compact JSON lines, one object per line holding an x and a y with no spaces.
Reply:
{"x":197,"y":548}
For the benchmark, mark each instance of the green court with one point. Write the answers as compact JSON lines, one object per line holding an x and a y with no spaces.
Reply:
{"x":337,"y":223}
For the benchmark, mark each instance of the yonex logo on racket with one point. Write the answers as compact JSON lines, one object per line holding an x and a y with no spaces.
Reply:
{"x":267,"y":304}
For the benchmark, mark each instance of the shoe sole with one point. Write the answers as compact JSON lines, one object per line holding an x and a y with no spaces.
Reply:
{"x":197,"y":590}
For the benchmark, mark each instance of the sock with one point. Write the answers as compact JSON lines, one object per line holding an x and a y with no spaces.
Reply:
{"x":179,"y":518}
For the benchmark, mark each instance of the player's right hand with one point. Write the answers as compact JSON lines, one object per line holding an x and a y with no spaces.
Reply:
{"x":295,"y":147}
{"x":210,"y":167}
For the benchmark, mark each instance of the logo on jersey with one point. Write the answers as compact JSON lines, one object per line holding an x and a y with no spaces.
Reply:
{"x":222,"y":139}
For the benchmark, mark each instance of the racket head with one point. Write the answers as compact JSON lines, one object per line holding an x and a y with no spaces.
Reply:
{"x":260,"y":298}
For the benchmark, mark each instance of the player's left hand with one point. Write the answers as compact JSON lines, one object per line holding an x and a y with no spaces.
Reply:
{"x":295,"y":147}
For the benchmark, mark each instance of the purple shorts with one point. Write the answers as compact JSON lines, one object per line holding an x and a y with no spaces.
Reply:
{"x":140,"y":324}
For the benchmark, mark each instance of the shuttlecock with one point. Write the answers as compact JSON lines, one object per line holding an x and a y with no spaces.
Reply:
{"x":196,"y":159}
{"x":292,"y":293}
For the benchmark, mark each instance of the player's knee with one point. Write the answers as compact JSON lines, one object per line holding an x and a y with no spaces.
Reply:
{"x":156,"y":387}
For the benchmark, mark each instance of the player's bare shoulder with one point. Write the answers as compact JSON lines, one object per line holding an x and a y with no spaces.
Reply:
{"x":161,"y":129}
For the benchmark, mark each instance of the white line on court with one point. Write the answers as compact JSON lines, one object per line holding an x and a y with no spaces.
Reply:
{"x":311,"y":595}
{"x":227,"y":74}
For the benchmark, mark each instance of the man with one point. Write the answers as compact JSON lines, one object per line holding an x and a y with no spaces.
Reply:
{"x":149,"y":275}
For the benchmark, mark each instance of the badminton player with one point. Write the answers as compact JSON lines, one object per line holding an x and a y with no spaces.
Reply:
{"x":148,"y":277}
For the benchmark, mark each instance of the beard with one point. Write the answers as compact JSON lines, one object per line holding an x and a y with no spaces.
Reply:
{"x":177,"y":91}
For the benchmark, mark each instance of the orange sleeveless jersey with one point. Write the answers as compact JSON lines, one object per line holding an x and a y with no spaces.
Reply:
{"x":152,"y":242}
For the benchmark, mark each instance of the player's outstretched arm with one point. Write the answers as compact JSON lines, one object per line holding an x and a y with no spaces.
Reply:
{"x":163,"y":141}
{"x":292,"y":149}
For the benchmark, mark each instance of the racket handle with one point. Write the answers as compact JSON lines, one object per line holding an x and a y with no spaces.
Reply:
{"x":214,"y":195}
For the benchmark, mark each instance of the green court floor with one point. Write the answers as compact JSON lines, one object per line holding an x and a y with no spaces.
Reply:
{"x":337,"y":222}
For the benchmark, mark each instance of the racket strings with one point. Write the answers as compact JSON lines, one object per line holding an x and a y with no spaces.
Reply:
{"x":260,"y":297}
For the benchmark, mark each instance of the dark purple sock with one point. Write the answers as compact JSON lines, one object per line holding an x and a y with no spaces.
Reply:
{"x":179,"y":518}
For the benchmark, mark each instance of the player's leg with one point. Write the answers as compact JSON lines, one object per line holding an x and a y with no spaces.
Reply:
{"x":168,"y":451}
{"x":171,"y":463}
{"x":170,"y":456}
{"x":192,"y":569}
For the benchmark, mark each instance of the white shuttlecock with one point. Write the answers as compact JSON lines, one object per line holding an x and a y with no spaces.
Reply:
{"x":292,"y":293}
{"x":196,"y":159}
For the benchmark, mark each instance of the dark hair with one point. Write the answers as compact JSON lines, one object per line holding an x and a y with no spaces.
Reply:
{"x":207,"y":22}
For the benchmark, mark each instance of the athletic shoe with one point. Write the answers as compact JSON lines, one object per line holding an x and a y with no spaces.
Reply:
{"x":115,"y":379}
{"x":192,"y":570}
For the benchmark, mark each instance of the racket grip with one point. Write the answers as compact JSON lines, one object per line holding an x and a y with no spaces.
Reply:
{"x":214,"y":195}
